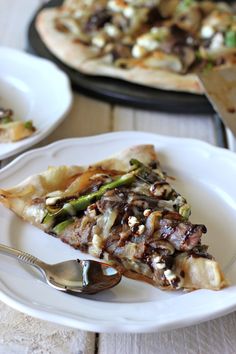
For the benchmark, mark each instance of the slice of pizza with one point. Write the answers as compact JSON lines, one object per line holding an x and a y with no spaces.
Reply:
{"x":158,"y":43}
{"x":121,"y":210}
{"x":12,"y":130}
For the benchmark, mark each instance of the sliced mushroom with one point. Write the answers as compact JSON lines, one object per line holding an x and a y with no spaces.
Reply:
{"x":190,"y":21}
{"x":164,"y":246}
{"x":207,"y":6}
{"x":97,"y":20}
{"x":168,"y":7}
{"x":152,"y":222}
{"x":215,"y":53}
{"x":120,"y":51}
{"x":187,"y":56}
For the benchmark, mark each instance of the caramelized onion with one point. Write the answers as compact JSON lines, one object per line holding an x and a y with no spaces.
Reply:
{"x":152,"y":222}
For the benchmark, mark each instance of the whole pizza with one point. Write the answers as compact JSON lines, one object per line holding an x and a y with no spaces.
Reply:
{"x":158,"y":43}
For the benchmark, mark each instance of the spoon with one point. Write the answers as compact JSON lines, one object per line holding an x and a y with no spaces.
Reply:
{"x":74,"y":276}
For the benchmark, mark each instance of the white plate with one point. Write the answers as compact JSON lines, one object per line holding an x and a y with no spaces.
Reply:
{"x":205,"y":174}
{"x":36,"y":90}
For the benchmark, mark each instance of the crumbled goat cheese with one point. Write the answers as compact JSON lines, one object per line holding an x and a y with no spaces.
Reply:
{"x":141,"y":229}
{"x":207,"y":31}
{"x":147,"y":212}
{"x":138,"y":51}
{"x":99,"y":41}
{"x":132,"y":220}
{"x":169,"y":275}
{"x":111,"y":30}
{"x":148,"y":42}
{"x":129,"y":12}
{"x":157,"y":263}
{"x":217,"y":41}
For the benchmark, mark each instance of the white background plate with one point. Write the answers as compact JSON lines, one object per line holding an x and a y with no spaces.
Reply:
{"x":205,"y":174}
{"x":36,"y":90}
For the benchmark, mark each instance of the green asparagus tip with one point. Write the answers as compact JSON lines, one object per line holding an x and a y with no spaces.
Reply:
{"x":59,"y":228}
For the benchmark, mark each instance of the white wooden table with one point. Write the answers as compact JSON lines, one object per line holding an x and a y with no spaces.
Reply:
{"x":20,"y":333}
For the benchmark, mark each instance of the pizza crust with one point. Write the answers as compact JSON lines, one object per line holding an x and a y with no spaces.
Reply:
{"x":200,"y":272}
{"x":83,"y":58}
{"x":61,"y":44}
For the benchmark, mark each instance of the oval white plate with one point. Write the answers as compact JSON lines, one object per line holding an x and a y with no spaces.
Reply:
{"x":36,"y":90}
{"x":205,"y":174}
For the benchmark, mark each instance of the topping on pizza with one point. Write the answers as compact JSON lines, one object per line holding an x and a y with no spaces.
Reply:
{"x":122,"y":210}
{"x":177,"y":36}
{"x":11,"y":130}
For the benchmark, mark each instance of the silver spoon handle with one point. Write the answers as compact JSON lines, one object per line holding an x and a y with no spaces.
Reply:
{"x":21,"y":256}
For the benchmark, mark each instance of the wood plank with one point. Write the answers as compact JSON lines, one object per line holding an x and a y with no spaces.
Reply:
{"x":87,"y":117}
{"x":123,"y":118}
{"x":191,"y":126}
{"x":24,"y":334}
{"x":14,"y":18}
{"x":213,"y":337}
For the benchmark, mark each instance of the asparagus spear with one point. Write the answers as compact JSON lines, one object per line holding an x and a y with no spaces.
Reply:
{"x":62,"y":217}
{"x":74,"y":206}
{"x":146,"y":173}
{"x":59,"y":228}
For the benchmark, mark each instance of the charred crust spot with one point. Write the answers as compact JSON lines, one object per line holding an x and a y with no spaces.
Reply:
{"x":231,"y":110}
{"x":61,"y":27}
{"x":80,"y":41}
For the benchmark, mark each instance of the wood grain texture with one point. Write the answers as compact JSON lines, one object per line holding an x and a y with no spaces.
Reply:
{"x":15,"y":16}
{"x":87,"y":117}
{"x":21,"y":334}
{"x":190,"y":126}
{"x":213,"y":337}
